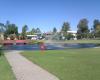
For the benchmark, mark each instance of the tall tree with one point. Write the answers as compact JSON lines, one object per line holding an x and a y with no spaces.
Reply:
{"x":2,"y":30}
{"x":7,"y":24}
{"x":2,"y":27}
{"x":33,"y":30}
{"x":96,"y":22}
{"x":24,"y":30}
{"x":38,"y":30}
{"x":83,"y":29}
{"x":11,"y":29}
{"x":65,"y":27}
{"x":96,"y":28}
{"x":83,"y":26}
{"x":54,"y":30}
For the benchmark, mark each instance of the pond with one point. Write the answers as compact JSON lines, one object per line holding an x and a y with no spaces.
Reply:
{"x":49,"y":46}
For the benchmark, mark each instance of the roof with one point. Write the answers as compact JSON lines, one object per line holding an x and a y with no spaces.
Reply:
{"x":72,"y":31}
{"x":30,"y":35}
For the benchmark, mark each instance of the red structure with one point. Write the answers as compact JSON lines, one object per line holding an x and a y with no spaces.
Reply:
{"x":21,"y":42}
{"x":11,"y":42}
{"x":8,"y":42}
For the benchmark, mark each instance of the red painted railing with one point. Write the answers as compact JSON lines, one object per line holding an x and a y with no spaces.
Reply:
{"x":11,"y":42}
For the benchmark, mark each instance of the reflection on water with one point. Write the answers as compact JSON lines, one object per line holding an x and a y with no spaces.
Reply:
{"x":80,"y":45}
{"x":48,"y":46}
{"x":22,"y":47}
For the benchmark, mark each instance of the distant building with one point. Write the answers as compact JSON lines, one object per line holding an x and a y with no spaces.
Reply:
{"x":36,"y":36}
{"x":32,"y":37}
{"x":48,"y":35}
{"x":74,"y":33}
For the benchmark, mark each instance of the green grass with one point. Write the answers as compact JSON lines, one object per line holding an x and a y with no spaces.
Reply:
{"x":70,"y":64}
{"x":83,"y":41}
{"x":5,"y":70}
{"x":78,"y":41}
{"x":35,"y":41}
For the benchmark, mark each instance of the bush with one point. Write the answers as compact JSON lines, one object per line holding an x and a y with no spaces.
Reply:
{"x":97,"y":35}
{"x":1,"y":51}
{"x":69,"y":36}
{"x":34,"y":42}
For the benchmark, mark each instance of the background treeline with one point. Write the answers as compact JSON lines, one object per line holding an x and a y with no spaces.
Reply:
{"x":11,"y":30}
{"x":83,"y":30}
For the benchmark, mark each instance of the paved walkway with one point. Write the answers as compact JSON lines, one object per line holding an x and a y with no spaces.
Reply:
{"x":26,"y":70}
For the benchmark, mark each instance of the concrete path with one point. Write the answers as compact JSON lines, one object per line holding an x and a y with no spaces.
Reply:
{"x":26,"y":70}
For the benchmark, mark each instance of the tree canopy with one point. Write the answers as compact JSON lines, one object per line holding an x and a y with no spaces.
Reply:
{"x":54,"y":30}
{"x":2,"y":27}
{"x":24,"y":31}
{"x":11,"y":29}
{"x":96,"y":27}
{"x":83,"y":26}
{"x":83,"y":31}
{"x":65,"y":27}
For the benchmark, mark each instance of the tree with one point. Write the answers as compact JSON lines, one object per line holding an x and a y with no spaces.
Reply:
{"x":97,"y":33}
{"x":7,"y":24}
{"x":10,"y":29}
{"x":83,"y":29}
{"x":38,"y":30}
{"x":54,"y":30}
{"x":33,"y":30}
{"x":96,"y":28}
{"x":2,"y":27}
{"x":65,"y":28}
{"x":69,"y":36}
{"x":2,"y":30}
{"x":96,"y":22}
{"x":24,"y":30}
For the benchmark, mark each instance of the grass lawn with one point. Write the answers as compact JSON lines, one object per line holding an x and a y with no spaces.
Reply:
{"x":5,"y":70}
{"x":70,"y":64}
{"x":78,"y":41}
{"x":83,"y":41}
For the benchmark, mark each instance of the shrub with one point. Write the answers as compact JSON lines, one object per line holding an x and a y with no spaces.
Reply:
{"x":1,"y":51}
{"x":35,"y":42}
